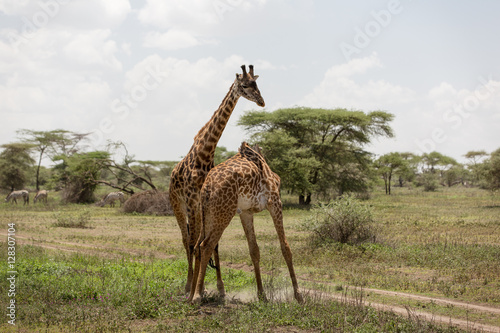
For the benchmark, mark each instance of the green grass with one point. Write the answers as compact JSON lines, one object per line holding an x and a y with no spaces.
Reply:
{"x":71,"y":292}
{"x":91,"y":293}
{"x":127,"y":272}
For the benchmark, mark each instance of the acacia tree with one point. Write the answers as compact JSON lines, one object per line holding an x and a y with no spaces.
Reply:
{"x":130,"y":174}
{"x":408,"y":171}
{"x":475,"y":159}
{"x":52,"y":143}
{"x":82,"y":169}
{"x":309,"y":147}
{"x":387,"y":165}
{"x":492,"y":171}
{"x":15,"y":164}
{"x":434,"y":161}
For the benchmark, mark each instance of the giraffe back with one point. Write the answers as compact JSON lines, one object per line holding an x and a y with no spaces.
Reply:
{"x":243,"y":182}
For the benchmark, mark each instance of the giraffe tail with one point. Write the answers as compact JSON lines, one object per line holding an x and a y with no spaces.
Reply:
{"x":211,"y":263}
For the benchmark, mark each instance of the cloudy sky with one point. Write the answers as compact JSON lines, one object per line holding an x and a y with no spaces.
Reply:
{"x":152,"y":73}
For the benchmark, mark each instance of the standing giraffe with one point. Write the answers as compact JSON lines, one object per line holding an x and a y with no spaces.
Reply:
{"x":243,"y":184}
{"x":190,"y":173}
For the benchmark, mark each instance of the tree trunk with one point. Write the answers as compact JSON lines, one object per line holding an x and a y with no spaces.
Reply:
{"x":38,"y":170}
{"x":301,"y":200}
{"x":308,"y":199}
{"x":389,"y":184}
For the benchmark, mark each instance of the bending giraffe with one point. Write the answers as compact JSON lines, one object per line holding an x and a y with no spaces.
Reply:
{"x":244,"y":185}
{"x":14,"y":195}
{"x":190,"y":173}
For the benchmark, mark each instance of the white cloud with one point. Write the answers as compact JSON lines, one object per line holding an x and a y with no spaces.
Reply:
{"x":193,"y":15}
{"x":173,"y":39}
{"x":74,"y":13}
{"x":93,"y":48}
{"x":104,"y":14}
{"x":186,"y":23}
{"x":16,"y":7}
{"x":174,"y":110}
{"x":446,"y":118}
{"x":340,"y":88}
{"x":178,"y":13}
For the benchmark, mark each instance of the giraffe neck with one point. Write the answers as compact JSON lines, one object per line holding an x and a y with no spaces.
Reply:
{"x":207,"y":138}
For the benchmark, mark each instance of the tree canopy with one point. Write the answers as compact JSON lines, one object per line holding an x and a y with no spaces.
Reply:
{"x":315,"y":150}
{"x":53,"y":143}
{"x":15,"y":163}
{"x":387,"y":165}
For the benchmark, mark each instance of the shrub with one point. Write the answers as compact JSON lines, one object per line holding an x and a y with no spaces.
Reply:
{"x":149,"y":202}
{"x":429,"y":181}
{"x":345,"y":220}
{"x":70,"y":221}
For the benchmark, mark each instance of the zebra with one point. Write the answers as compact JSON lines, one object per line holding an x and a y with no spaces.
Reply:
{"x":111,"y":198}
{"x":41,"y":195}
{"x":14,"y":195}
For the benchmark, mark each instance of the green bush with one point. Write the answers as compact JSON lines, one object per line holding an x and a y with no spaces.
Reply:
{"x":66,"y":220}
{"x":345,"y":220}
{"x":429,"y":181}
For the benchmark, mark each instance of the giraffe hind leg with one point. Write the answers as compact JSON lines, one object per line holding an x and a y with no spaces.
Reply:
{"x":220,"y":283}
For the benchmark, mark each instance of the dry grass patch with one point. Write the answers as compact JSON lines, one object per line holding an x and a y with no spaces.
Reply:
{"x":149,"y":202}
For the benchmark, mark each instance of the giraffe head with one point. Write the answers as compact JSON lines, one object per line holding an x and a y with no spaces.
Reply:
{"x":247,"y":87}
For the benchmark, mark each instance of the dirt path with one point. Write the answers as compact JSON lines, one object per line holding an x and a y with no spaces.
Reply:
{"x":437,"y":300}
{"x":405,"y":311}
{"x":86,"y":248}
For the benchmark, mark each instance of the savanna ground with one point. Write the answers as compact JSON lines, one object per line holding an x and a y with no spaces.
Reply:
{"x":91,"y":269}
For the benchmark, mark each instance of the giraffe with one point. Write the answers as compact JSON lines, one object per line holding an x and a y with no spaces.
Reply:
{"x":244,"y":185}
{"x":189,"y":174}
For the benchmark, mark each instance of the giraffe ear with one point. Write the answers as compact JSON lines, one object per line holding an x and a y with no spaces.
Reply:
{"x":255,"y":77}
